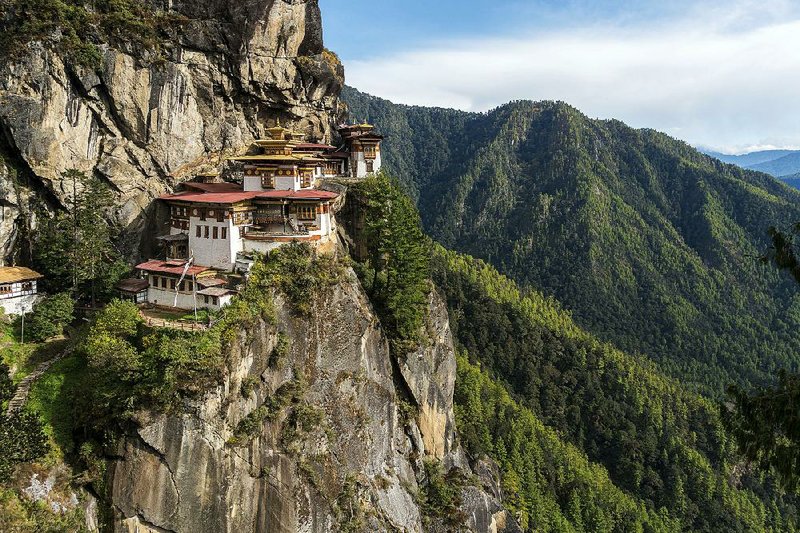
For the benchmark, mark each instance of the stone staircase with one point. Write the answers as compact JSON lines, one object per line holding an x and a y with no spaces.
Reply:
{"x":24,"y":387}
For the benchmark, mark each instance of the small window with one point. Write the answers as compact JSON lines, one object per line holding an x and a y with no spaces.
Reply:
{"x":206,"y":231}
{"x":216,"y":232}
{"x":214,"y":300}
{"x":163,"y":283}
{"x":189,"y":286}
{"x":5,"y":289}
{"x":199,"y":232}
{"x":306,"y":212}
{"x":205,"y":299}
{"x":172,"y":284}
{"x":182,"y":286}
{"x":370,"y":166}
{"x":224,"y":233}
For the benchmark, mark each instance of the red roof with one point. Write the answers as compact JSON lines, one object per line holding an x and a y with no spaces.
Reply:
{"x":211,"y":197}
{"x":240,"y":196}
{"x":155,"y":265}
{"x":213,"y":187}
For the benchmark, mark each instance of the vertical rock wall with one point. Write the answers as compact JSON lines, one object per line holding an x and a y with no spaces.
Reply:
{"x":341,"y":454}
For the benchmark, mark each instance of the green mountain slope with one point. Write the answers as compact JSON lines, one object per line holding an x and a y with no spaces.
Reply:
{"x":662,"y":460}
{"x":650,"y":244}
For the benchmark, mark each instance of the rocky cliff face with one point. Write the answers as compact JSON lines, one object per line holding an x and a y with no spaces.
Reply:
{"x":333,"y":443}
{"x":141,"y":122}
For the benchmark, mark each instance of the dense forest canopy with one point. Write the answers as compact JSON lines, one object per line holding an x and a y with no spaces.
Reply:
{"x":648,"y":243}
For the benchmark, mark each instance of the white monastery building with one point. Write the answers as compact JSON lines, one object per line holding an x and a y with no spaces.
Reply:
{"x":215,"y":225}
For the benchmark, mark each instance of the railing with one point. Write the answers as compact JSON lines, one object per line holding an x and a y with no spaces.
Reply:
{"x":172,"y":324}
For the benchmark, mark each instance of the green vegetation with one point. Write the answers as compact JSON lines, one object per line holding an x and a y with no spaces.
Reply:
{"x":440,"y":496}
{"x":766,"y":422}
{"x":647,"y":242}
{"x":664,"y":450}
{"x":395,"y":273}
{"x":75,"y":28}
{"x":766,"y":425}
{"x":298,"y":272}
{"x":20,"y":515}
{"x":21,"y":435}
{"x":133,"y":367}
{"x":551,"y":485}
{"x":74,"y":249}
{"x":50,"y":316}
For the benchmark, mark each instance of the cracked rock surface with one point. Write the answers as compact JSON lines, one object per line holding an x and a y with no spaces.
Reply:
{"x":143,"y":122}
{"x":338,"y":456}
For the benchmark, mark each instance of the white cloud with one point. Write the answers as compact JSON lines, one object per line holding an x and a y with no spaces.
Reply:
{"x":723,"y":78}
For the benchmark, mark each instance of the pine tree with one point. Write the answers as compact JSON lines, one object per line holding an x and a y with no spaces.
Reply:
{"x":74,"y":248}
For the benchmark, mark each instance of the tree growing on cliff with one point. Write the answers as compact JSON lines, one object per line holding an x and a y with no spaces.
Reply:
{"x":74,"y":249}
{"x":398,"y":263}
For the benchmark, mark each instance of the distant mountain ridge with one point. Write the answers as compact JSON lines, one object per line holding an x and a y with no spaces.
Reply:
{"x":778,"y":163}
{"x":783,"y":166}
{"x":650,"y":244}
{"x":792,"y":181}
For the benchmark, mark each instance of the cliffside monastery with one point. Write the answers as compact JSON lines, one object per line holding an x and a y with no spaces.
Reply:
{"x":276,"y":197}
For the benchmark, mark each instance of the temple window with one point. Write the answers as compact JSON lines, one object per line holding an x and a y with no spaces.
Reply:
{"x":163,"y":283}
{"x":172,"y":284}
{"x":5,"y":289}
{"x":205,"y":231}
{"x":306,"y":212}
{"x":216,"y":232}
{"x":199,"y":231}
{"x":224,"y":233}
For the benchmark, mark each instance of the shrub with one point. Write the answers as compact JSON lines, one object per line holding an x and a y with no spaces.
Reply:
{"x":279,"y":353}
{"x":50,"y":316}
{"x":298,"y":272}
{"x":441,"y":495}
{"x":22,"y":439}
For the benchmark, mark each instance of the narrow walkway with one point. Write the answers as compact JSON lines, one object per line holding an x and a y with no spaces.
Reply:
{"x":172,"y":324}
{"x":24,"y":387}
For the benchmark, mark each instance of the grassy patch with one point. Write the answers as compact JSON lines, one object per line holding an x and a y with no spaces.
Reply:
{"x":51,"y":398}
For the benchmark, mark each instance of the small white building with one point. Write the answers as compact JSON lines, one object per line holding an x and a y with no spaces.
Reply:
{"x":363,"y":146}
{"x":172,"y":284}
{"x":18,"y":289}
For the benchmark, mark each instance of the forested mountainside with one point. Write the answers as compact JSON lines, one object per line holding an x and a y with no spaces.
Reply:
{"x":648,"y":243}
{"x":550,"y":393}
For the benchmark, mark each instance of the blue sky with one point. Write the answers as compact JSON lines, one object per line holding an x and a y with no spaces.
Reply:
{"x":722,"y":74}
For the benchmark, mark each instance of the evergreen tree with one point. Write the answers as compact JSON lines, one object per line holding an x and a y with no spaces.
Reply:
{"x":74,"y":249}
{"x":398,"y":256}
